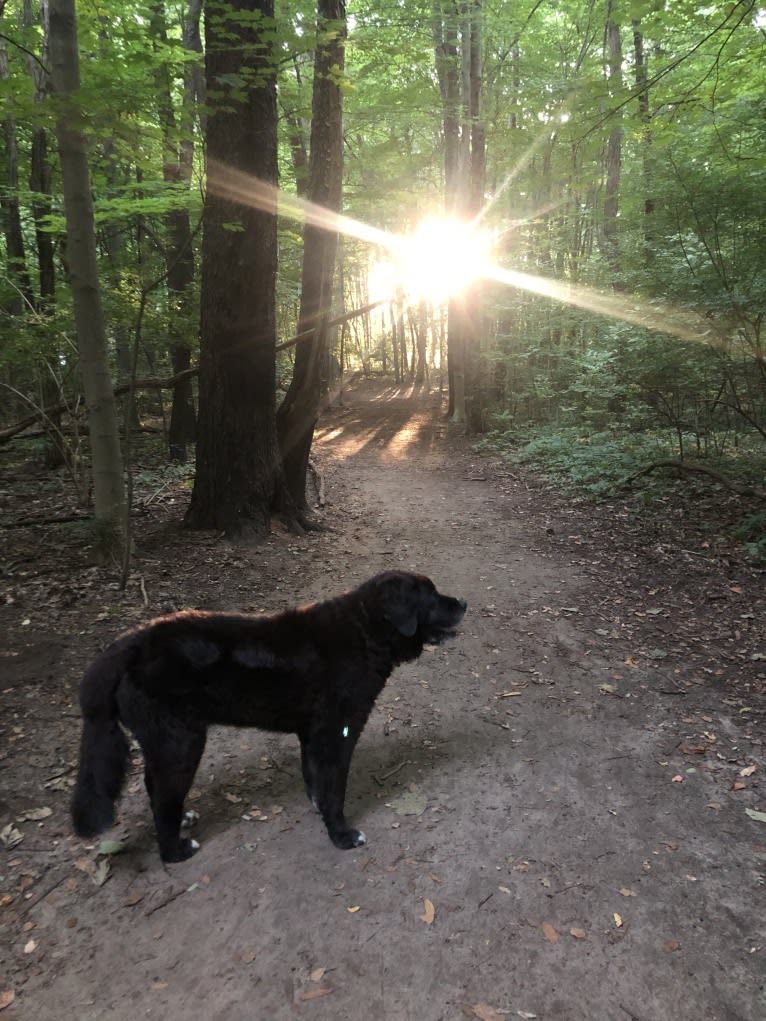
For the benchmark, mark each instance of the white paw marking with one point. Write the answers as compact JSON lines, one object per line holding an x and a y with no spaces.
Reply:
{"x":189,"y":819}
{"x":361,"y":839}
{"x":195,"y":845}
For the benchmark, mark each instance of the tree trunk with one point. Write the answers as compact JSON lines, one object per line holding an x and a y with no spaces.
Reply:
{"x":238,"y":473}
{"x":614,"y":152}
{"x":299,"y":411}
{"x":40,"y":171}
{"x":9,"y":202}
{"x":642,"y":88}
{"x":477,"y":173}
{"x":446,"y":33}
{"x":108,"y":485}
{"x":179,"y":254}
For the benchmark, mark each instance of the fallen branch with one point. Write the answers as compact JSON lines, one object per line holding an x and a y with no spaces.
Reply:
{"x":168,"y":382}
{"x":695,"y":469}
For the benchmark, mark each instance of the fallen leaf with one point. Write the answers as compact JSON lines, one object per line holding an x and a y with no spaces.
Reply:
{"x":353,"y":910}
{"x":677,"y":778}
{"x":550,"y":933}
{"x":737,"y":786}
{"x":412,"y":802}
{"x":429,"y":912}
{"x":484,"y":1012}
{"x":112,"y":847}
{"x":758,"y":816}
{"x":671,"y":945}
{"x":617,"y":920}
{"x":314,"y":993}
{"x":503,"y":889}
{"x":101,"y":872}
{"x":7,"y":996}
{"x":317,"y":974}
{"x":248,"y":957}
{"x":135,"y":898}
{"x":36,"y":814}
{"x":10,"y":836}
{"x":747,"y":771}
{"x":577,"y":933}
{"x":626,"y":892}
{"x":30,"y":947}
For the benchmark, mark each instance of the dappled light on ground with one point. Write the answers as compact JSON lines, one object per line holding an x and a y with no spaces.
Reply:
{"x":396,"y":427}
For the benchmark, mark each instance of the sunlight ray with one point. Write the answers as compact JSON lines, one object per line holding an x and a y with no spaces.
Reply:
{"x":238,"y":186}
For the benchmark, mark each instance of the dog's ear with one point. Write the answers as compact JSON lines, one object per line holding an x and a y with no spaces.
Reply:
{"x":399,"y":603}
{"x":403,"y":618}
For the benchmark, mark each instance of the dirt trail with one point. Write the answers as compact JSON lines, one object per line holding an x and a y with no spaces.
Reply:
{"x":555,"y":803}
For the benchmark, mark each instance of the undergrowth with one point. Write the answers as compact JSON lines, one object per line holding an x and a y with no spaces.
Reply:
{"x":594,"y":463}
{"x":598,"y":464}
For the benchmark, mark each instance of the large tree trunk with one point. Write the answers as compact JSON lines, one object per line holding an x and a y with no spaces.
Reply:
{"x":108,"y":485}
{"x":238,"y":472}
{"x":299,"y":411}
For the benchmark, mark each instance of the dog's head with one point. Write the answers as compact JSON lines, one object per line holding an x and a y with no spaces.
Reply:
{"x":411,"y":605}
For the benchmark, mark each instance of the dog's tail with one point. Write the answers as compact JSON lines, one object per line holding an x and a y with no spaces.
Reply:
{"x":103,"y":747}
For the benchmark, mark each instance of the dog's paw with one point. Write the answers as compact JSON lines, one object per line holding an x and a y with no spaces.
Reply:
{"x":181,"y":852}
{"x":346,"y":839}
{"x":190,"y":818}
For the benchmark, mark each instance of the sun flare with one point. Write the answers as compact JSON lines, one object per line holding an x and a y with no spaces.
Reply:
{"x":443,"y":257}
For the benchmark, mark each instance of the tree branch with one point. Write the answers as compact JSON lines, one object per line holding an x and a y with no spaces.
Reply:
{"x":698,"y":469}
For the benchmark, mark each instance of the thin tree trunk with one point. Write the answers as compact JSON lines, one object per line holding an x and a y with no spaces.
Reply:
{"x":642,"y":88}
{"x":614,"y":151}
{"x":9,"y":202}
{"x":108,"y":486}
{"x":298,"y":414}
{"x":179,"y":255}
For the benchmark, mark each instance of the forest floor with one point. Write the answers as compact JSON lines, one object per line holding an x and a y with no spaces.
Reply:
{"x":565,"y":806}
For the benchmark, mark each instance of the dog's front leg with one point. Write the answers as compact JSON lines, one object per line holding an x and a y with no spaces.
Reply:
{"x":326,"y":757}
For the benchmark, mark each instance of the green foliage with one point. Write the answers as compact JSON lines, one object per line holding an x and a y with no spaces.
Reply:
{"x":594,"y":463}
{"x":752,"y":532}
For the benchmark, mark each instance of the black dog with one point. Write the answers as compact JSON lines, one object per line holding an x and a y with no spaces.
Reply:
{"x":314,"y":671}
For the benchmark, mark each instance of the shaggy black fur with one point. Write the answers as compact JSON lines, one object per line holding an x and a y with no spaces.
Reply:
{"x":314,"y":671}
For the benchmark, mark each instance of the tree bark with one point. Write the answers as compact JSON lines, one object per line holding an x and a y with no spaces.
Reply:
{"x":9,"y":202}
{"x":108,"y":485}
{"x":642,"y":88}
{"x":238,"y":475}
{"x":299,"y":411}
{"x":179,"y":253}
{"x":614,"y":152}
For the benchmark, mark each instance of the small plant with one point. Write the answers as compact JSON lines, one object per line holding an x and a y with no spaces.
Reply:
{"x":752,"y":534}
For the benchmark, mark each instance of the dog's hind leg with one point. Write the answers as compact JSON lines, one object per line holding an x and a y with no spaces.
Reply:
{"x":326,"y":757}
{"x":170,"y":766}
